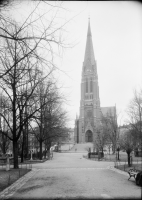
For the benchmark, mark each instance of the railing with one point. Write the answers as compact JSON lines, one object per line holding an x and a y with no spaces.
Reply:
{"x":137,"y":165}
{"x":9,"y":177}
{"x":3,"y":164}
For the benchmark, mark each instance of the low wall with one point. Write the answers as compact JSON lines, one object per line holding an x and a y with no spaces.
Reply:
{"x":3,"y":160}
{"x":93,"y":156}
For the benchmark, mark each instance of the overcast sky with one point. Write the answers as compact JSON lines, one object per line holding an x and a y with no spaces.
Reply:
{"x":117,"y":40}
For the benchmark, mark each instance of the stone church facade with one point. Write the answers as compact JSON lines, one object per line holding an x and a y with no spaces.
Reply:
{"x":90,"y":111}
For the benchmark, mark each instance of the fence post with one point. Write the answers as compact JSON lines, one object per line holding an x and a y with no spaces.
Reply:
{"x":9,"y":179}
{"x":132,"y":161}
{"x":7,"y":163}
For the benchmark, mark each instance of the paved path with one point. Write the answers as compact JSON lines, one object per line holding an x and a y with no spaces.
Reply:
{"x":70,"y":175}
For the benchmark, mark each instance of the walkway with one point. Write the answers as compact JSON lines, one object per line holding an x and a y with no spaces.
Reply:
{"x":70,"y":175}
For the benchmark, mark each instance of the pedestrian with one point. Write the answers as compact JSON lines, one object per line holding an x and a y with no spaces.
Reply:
{"x":51,"y":152}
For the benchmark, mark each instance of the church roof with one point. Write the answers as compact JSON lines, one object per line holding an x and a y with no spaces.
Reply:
{"x":108,"y":110}
{"x":89,"y":51}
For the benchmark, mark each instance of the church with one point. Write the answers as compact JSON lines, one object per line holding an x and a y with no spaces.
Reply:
{"x":90,"y":111}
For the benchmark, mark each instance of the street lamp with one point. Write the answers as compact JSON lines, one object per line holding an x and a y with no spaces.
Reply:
{"x":118,"y":149}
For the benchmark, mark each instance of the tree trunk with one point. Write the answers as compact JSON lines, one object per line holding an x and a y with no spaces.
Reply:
{"x":45,"y":153}
{"x":24,"y":148}
{"x":15,"y":142}
{"x":3,"y":145}
{"x":4,"y":148}
{"x":118,"y":154}
{"x":102,"y":152}
{"x":22,"y":152}
{"x":129,"y":163}
{"x":40,"y":150}
{"x":15,"y":152}
{"x":113,"y":149}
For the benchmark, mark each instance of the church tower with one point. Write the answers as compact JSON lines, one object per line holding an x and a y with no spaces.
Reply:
{"x":90,"y":111}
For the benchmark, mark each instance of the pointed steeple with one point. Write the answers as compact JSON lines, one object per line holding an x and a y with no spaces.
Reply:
{"x":89,"y":29}
{"x":89,"y":57}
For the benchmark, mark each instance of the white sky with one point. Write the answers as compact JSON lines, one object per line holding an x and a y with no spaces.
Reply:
{"x":117,"y":40}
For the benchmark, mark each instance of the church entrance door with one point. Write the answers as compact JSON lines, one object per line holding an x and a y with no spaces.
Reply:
{"x":89,"y":136}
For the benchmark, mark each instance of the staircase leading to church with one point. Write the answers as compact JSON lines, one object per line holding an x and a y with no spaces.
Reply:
{"x":82,"y":147}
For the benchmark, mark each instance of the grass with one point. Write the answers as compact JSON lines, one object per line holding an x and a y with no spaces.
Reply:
{"x":122,"y":164}
{"x":125,"y":167}
{"x":34,"y":161}
{"x":122,"y":157}
{"x":9,"y":177}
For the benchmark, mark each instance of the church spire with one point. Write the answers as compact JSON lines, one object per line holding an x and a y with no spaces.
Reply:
{"x":89,"y":29}
{"x":89,"y":52}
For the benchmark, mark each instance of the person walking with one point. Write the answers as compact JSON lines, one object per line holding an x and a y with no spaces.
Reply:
{"x":51,"y":152}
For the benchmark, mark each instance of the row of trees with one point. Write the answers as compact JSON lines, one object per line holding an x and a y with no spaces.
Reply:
{"x":29,"y":93}
{"x":131,"y":137}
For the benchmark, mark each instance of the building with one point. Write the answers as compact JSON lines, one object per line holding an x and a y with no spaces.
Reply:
{"x":90,"y":111}
{"x":76,"y":130}
{"x":71,"y":134}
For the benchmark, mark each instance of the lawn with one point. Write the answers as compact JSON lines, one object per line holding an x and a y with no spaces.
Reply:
{"x":122,"y":164}
{"x":125,"y":167}
{"x":9,"y":177}
{"x":122,"y":158}
{"x":34,"y":161}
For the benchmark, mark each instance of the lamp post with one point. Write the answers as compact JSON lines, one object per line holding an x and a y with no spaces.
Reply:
{"x":118,"y":149}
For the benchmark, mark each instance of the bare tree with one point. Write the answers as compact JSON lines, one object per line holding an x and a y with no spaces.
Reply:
{"x":56,"y":126}
{"x":4,"y":130}
{"x":22,"y":79}
{"x":42,"y":100}
{"x":38,"y":31}
{"x":5,"y":4}
{"x":134,"y":112}
{"x":126,"y":142}
{"x":50,"y":118}
{"x":101,"y":139}
{"x":25,"y":47}
{"x":111,"y":128}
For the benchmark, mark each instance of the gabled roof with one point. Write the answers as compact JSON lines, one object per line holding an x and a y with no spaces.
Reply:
{"x":108,"y":111}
